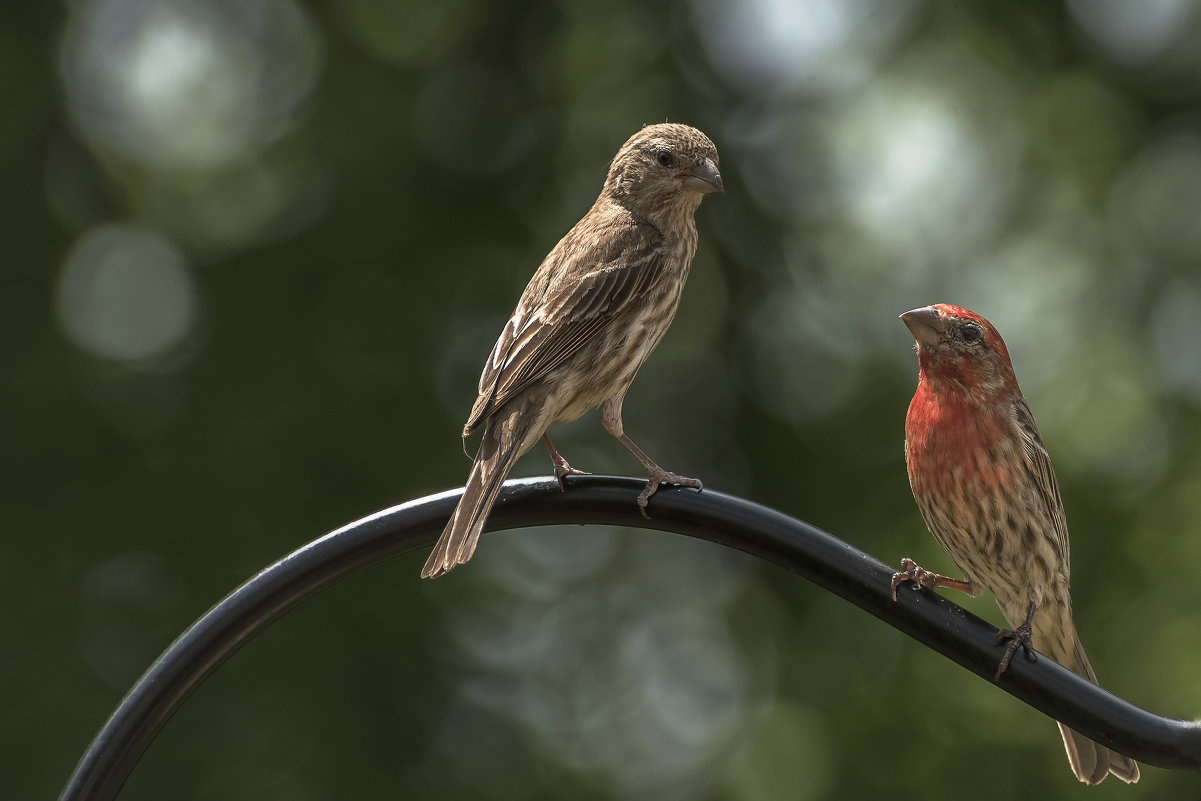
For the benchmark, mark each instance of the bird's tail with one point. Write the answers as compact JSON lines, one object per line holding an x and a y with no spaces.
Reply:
{"x":506,"y":438}
{"x":1055,"y":635}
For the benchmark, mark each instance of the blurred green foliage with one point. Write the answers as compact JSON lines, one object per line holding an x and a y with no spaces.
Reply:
{"x":257,"y":251}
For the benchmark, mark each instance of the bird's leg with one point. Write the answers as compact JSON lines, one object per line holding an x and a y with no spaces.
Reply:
{"x":562,"y":468}
{"x":657,"y":476}
{"x":1018,"y":638}
{"x":910,"y":571}
{"x":611,"y":420}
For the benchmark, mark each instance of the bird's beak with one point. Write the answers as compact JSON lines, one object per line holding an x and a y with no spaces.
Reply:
{"x":925,"y":324}
{"x":705,"y":178}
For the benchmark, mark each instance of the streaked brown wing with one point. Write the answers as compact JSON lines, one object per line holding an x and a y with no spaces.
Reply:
{"x":1044,"y":479}
{"x":604,"y":280}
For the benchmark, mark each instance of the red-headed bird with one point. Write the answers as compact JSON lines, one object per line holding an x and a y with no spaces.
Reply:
{"x":591,"y":315}
{"x":984,"y":484}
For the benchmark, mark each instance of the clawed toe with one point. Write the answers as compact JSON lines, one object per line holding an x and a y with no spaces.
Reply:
{"x":910,"y":571}
{"x":1018,"y":638}
{"x":562,"y":470}
{"x":664,"y":477}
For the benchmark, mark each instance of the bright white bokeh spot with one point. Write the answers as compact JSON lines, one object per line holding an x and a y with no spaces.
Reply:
{"x":803,"y":45}
{"x":172,"y":84}
{"x":1133,"y":31}
{"x":169,"y":54}
{"x":126,"y":294}
{"x":911,"y":166}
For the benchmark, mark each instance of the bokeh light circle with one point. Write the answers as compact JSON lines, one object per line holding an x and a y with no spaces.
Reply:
{"x":126,"y":293}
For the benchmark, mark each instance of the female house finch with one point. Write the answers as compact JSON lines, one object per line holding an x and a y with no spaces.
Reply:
{"x":984,"y":484}
{"x":595,"y":309}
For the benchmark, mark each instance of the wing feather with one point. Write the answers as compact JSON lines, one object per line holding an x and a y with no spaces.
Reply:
{"x":579,"y":290}
{"x":1044,"y":479}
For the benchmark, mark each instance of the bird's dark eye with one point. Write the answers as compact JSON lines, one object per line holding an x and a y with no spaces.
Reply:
{"x":971,"y":333}
{"x":665,"y":158}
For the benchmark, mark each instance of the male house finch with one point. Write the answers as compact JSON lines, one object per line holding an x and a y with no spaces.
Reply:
{"x":595,"y":309}
{"x":984,"y":484}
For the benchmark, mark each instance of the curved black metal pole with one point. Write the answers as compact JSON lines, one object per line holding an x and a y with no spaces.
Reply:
{"x":740,"y":524}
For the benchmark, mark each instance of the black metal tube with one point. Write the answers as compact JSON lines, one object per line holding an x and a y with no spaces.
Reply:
{"x":746,"y":526}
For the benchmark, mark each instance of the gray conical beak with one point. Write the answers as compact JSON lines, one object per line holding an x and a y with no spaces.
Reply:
{"x":705,"y":178}
{"x":925,"y":324}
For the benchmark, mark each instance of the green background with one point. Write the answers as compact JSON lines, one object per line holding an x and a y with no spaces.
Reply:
{"x":256,"y":252}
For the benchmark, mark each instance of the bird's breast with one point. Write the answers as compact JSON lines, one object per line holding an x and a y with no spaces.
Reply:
{"x":949,"y":442}
{"x":605,"y":367}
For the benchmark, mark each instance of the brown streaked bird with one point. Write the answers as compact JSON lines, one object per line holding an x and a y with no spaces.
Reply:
{"x":591,"y":315}
{"x":984,"y":484}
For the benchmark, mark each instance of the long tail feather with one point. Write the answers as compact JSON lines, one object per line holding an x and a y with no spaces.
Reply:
{"x":504,"y":441}
{"x":1055,"y":635}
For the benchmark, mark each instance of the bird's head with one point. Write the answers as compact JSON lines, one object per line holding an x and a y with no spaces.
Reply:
{"x":959,"y":351}
{"x":664,"y":167}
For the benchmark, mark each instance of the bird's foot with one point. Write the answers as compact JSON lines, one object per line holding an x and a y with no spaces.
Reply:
{"x":563,"y":469}
{"x":911,"y":571}
{"x":1018,"y":638}
{"x":660,"y":476}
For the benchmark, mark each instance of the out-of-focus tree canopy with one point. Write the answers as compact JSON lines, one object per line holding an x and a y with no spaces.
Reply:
{"x":257,"y":250}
